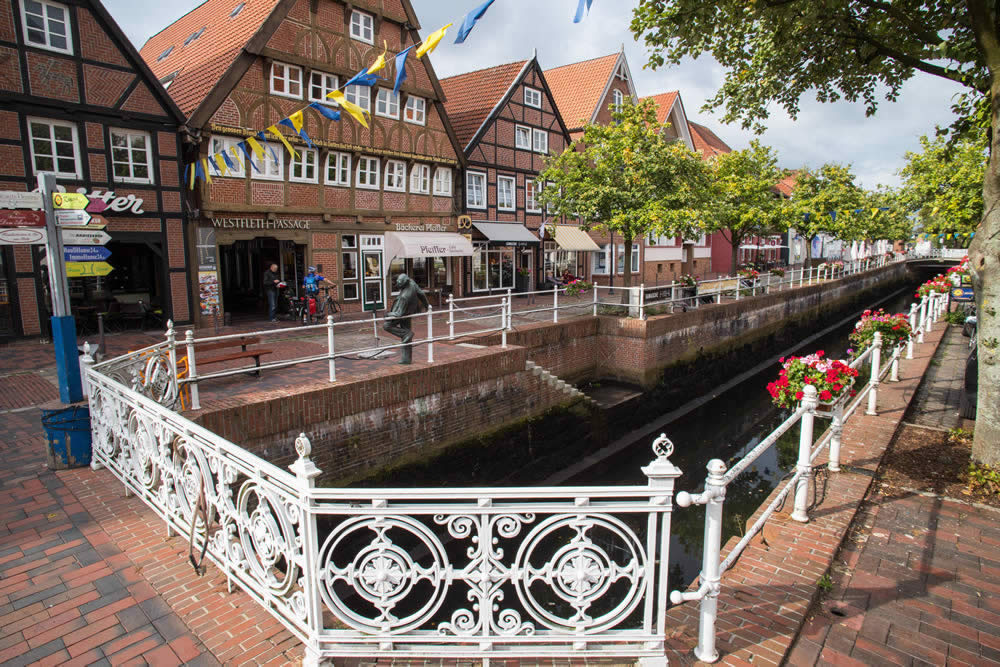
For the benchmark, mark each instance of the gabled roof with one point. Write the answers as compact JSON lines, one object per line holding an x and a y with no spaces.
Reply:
{"x":471,"y":97}
{"x":200,"y":64}
{"x":578,"y":88}
{"x":786,"y":185}
{"x":665,"y":104}
{"x":706,"y":141}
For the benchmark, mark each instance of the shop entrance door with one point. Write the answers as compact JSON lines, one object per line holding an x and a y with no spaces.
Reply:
{"x":8,"y":321}
{"x":243,"y":264}
{"x":372,"y":251}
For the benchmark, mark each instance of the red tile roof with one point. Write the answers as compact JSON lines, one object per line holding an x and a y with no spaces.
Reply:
{"x":470,"y":97}
{"x":578,"y":88}
{"x":200,"y":64}
{"x":707,"y":142}
{"x":664,"y":102}
{"x":787,"y":184}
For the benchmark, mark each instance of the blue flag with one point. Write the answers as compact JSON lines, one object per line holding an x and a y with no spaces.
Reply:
{"x":229,"y":163}
{"x":579,"y":10}
{"x":243,"y":147}
{"x":262,"y":137}
{"x":362,"y":78}
{"x":469,"y":22}
{"x":401,"y":69}
{"x":199,"y":174}
{"x":326,"y":111}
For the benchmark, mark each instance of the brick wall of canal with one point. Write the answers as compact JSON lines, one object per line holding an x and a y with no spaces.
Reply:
{"x":411,"y":426}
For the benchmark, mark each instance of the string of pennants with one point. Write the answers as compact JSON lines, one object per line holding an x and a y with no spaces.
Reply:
{"x":948,"y":236}
{"x":833,"y":214}
{"x":254,"y":147}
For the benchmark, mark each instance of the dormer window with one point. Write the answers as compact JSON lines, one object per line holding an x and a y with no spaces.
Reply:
{"x":362,"y":27}
{"x":193,"y":36}
{"x":46,"y":25}
{"x":533,"y":97}
{"x":237,"y":9}
{"x":169,"y":79}
{"x":165,"y":53}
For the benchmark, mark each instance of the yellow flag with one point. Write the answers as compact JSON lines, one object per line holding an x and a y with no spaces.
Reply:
{"x":208,"y":176}
{"x":275,"y":131}
{"x":874,"y":211}
{"x":432,"y":41}
{"x":379,"y":63}
{"x":237,"y":156}
{"x":191,"y":183}
{"x":257,"y":149}
{"x":296,"y":120}
{"x":221,"y":164}
{"x":349,"y":107}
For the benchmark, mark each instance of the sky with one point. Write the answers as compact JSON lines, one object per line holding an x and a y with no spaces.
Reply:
{"x":512,"y":29}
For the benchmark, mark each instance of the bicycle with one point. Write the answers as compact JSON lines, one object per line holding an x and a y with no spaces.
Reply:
{"x":327,"y":306}
{"x":298,"y":309}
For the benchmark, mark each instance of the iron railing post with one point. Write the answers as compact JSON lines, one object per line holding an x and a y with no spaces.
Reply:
{"x":913,"y":328}
{"x":306,"y":473}
{"x":836,"y":433}
{"x":595,"y":299}
{"x":192,"y":370}
{"x":171,"y":337}
{"x":642,"y":301}
{"x":503,"y":314}
{"x":555,"y":303}
{"x":802,"y":276}
{"x":451,"y":317}
{"x":876,"y":371}
{"x":430,"y":333}
{"x":894,"y":367}
{"x":804,"y":465}
{"x":330,"y":348}
{"x":923,"y":317}
{"x":929,"y":319}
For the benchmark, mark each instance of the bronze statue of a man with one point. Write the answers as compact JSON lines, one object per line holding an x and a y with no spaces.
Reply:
{"x":410,"y":301}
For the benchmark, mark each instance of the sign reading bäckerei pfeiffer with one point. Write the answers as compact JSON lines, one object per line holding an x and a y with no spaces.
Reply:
{"x":258,"y":223}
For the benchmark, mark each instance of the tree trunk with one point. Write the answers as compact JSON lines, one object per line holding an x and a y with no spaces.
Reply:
{"x":735,"y":255}
{"x":627,"y":269}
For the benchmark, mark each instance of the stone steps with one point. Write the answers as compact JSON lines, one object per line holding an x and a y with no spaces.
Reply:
{"x":561,"y":385}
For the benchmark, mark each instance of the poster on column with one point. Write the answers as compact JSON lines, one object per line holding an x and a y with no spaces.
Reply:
{"x":208,"y":292}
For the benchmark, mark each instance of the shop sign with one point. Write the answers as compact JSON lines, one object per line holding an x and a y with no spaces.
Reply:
{"x":85,"y":237}
{"x":129,"y":203}
{"x":430,"y":227}
{"x":962,"y":294}
{"x":84,"y":253}
{"x":258,"y":223}
{"x":22,"y":237}
{"x":87,"y":269}
{"x":69,"y":200}
{"x":77,"y":217}
{"x":22,"y":219}
{"x":13,"y":199}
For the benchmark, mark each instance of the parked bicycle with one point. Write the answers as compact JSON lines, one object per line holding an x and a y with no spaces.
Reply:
{"x":297,"y":306}
{"x":328,"y":305}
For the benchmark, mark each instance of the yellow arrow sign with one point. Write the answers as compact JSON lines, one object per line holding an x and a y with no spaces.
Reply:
{"x":72,"y":200}
{"x":87,"y":269}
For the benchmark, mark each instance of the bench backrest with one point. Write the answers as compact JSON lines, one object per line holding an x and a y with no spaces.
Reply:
{"x":235,"y":342}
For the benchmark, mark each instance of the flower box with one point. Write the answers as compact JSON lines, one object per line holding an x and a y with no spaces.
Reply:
{"x":833,"y":380}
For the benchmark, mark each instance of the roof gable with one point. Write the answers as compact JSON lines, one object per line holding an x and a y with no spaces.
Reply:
{"x":706,"y":141}
{"x":471,"y":98}
{"x":669,"y":105}
{"x":579,"y":88}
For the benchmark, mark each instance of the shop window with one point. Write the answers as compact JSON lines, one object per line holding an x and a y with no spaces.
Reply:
{"x":359,"y":95}
{"x":395,"y":176}
{"x":541,"y":141}
{"x":492,"y":268}
{"x":368,"y":173}
{"x":286,"y":80}
{"x":304,"y":168}
{"x":321,"y":84}
{"x":442,"y":181}
{"x":602,"y":260}
{"x":475,"y":189}
{"x":272,"y":166}
{"x":131,"y":156}
{"x":522,"y":137}
{"x":46,"y":25}
{"x":416,"y":110}
{"x":363,"y":27}
{"x":338,"y":169}
{"x":533,"y":97}
{"x":54,"y":147}
{"x":386,"y":104}
{"x":349,"y":267}
{"x":420,"y":179}
{"x":505,"y":193}
{"x":531,"y":191}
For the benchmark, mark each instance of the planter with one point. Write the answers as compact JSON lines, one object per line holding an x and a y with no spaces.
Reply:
{"x":521,"y":283}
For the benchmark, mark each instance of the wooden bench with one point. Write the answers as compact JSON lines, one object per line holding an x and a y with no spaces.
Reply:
{"x":243,"y":353}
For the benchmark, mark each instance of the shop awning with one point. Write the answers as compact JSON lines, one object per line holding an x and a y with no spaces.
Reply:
{"x":426,"y":244}
{"x":574,"y":238}
{"x":510,"y":233}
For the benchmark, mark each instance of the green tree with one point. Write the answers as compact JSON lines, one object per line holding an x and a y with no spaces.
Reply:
{"x":943,"y":184}
{"x":775,"y":51}
{"x":743,"y":201}
{"x":886,"y":215}
{"x":826,"y":200}
{"x":624,"y":178}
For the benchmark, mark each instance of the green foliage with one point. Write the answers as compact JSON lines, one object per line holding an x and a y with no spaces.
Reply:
{"x":944,"y":184}
{"x":624,"y":178}
{"x":955,"y":317}
{"x":983,"y":479}
{"x":825,"y":583}
{"x":578,"y":287}
{"x":825,"y":200}
{"x":959,"y":435}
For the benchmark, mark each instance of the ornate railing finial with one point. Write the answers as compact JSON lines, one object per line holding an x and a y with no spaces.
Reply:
{"x":663,"y":447}
{"x":302,"y":446}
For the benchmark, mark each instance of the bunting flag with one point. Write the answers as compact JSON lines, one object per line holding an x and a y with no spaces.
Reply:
{"x":220,"y":164}
{"x":356,"y":112}
{"x":198,"y":172}
{"x":242,"y":146}
{"x":257,"y":149}
{"x":207,"y":176}
{"x":229,"y":162}
{"x":295,"y":123}
{"x":275,"y":131}
{"x":400,"y":69}
{"x":326,"y":111}
{"x":833,"y":214}
{"x":262,"y":136}
{"x":362,"y":78}
{"x":379,"y":63}
{"x":431,"y":42}
{"x":189,"y":176}
{"x":580,"y":10}
{"x":469,"y":22}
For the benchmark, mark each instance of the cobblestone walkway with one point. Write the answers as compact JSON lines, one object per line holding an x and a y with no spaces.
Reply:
{"x":917,"y":582}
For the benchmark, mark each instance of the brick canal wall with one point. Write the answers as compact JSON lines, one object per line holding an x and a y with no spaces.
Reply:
{"x":400,"y":416}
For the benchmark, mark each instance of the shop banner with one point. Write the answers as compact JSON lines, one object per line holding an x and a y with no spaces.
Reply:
{"x":208,"y":292}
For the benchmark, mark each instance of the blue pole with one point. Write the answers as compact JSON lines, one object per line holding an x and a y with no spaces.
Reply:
{"x":67,"y":358}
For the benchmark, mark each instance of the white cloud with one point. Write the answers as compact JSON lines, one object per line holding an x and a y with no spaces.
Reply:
{"x":510,"y":31}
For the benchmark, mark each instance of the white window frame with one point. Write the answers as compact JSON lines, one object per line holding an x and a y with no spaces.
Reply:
{"x":469,"y":177}
{"x":512,"y":190}
{"x":77,"y":174}
{"x":442,"y":181}
{"x":386,"y":104}
{"x":525,"y":131}
{"x":267,"y":169}
{"x":301,"y":160}
{"x":662,"y":240}
{"x":420,"y":179}
{"x":226,"y":144}
{"x":620,"y":259}
{"x":327,"y":84}
{"x":531,"y":191}
{"x":617,"y":99}
{"x":371,"y":182}
{"x":47,"y":44}
{"x":605,"y":254}
{"x":352,"y":249}
{"x":360,"y":95}
{"x":129,"y":135}
{"x":532,"y":97}
{"x":362,"y":23}
{"x":413,"y":114}
{"x":342,"y":171}
{"x":535,"y":135}
{"x":286,"y":79}
{"x":395,"y":176}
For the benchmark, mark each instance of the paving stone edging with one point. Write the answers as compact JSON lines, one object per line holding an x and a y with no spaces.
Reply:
{"x":767,"y":594}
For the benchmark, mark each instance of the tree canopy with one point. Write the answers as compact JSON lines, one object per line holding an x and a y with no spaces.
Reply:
{"x":624,"y":178}
{"x":828,"y":200}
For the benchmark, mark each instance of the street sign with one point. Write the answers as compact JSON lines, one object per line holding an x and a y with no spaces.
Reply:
{"x":69,"y":200}
{"x":15,"y":218}
{"x":962,"y":294}
{"x":85,"y":237}
{"x":97,"y":206}
{"x":26,"y":236}
{"x":87,"y":269}
{"x":12,"y":199}
{"x":85,"y":253}
{"x":72,"y":217}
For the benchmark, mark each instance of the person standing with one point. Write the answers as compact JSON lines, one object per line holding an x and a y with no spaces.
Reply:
{"x":271,"y":280}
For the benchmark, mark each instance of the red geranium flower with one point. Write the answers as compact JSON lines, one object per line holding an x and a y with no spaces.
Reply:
{"x":825,"y":395}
